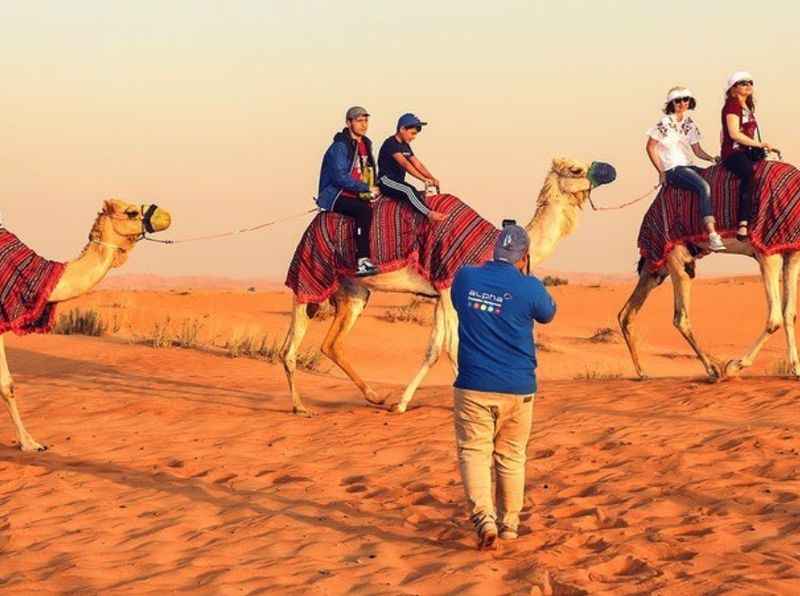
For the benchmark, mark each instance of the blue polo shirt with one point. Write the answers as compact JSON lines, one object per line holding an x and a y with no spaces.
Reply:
{"x":497,"y":306}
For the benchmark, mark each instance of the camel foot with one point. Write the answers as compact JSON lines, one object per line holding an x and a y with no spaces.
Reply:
{"x":303,"y":412}
{"x":31,"y":445}
{"x":733,"y":368}
{"x":399,"y":408}
{"x":373,"y":397}
{"x":642,"y":377}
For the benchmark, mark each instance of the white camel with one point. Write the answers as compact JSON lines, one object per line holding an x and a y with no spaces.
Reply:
{"x":114,"y":233}
{"x":564,"y":193}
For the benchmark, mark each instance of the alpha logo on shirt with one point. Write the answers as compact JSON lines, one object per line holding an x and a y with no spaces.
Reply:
{"x":486,"y":301}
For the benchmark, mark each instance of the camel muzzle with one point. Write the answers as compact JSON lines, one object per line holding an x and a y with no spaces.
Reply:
{"x":601,"y":173}
{"x":155,"y":219}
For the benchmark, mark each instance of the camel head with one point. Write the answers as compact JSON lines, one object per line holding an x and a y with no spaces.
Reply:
{"x":122,"y":224}
{"x":576,"y":178}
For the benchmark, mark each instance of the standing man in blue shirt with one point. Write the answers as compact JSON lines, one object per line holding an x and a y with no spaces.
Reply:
{"x":497,"y":305}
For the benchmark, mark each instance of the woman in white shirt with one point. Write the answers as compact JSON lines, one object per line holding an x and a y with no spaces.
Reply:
{"x":670,"y":146}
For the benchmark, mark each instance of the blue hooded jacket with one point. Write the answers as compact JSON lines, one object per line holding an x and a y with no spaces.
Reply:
{"x":334,"y":175}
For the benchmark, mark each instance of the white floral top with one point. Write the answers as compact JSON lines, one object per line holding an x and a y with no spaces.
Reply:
{"x":675,"y":140}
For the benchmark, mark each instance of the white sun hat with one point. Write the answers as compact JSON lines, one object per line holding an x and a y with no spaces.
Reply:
{"x":738,"y":76}
{"x":677,"y":92}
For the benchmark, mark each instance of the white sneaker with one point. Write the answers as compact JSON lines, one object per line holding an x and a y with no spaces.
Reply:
{"x":366,"y":268}
{"x":715,"y":242}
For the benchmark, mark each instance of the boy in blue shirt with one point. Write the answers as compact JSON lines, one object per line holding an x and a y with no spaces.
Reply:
{"x":497,"y":306}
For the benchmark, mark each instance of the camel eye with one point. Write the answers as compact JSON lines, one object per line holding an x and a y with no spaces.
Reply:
{"x":576,"y":170}
{"x":132,"y":214}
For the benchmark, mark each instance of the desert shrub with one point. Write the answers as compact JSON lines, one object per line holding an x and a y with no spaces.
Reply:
{"x":262,"y":348}
{"x":188,"y":335}
{"x":592,"y":374}
{"x":325,"y":311}
{"x":782,"y":368}
{"x":160,"y":335}
{"x":551,"y":280}
{"x":408,"y":313}
{"x":80,"y":322}
{"x":604,"y":335}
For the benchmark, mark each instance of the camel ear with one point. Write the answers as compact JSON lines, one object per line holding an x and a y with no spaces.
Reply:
{"x":108,"y":207}
{"x":558,"y":164}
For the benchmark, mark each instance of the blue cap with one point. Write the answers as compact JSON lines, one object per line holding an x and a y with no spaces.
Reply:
{"x":512,"y":244}
{"x":409,"y":120}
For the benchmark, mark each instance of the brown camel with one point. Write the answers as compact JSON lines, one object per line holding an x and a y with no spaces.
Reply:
{"x":563,"y":195}
{"x":115,"y":232}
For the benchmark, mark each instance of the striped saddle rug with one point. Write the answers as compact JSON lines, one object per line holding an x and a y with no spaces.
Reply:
{"x":26,"y":280}
{"x":674,"y":217}
{"x":401,"y":237}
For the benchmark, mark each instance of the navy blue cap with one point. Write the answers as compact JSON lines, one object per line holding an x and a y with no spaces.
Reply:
{"x":409,"y":120}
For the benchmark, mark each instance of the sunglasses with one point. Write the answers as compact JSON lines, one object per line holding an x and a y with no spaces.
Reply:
{"x":744,"y":83}
{"x":682,"y":99}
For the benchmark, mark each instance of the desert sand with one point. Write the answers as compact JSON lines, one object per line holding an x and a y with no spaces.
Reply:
{"x":173,"y":469}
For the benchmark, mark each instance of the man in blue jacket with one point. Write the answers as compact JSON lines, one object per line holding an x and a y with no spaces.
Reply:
{"x":345,"y":182}
{"x":497,"y":305}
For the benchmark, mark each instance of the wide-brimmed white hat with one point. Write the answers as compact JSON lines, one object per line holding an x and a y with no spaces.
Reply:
{"x":677,"y":92}
{"x":738,"y":76}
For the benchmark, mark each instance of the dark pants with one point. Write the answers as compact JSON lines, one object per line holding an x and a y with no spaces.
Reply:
{"x":742,"y":166}
{"x":689,"y":178}
{"x":403,"y":192}
{"x":361,"y":211}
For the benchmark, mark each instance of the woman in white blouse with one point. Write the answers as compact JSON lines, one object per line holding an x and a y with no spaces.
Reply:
{"x":671,"y":144}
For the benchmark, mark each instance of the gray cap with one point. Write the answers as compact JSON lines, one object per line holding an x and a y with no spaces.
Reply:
{"x":512,"y":244}
{"x":355,"y":112}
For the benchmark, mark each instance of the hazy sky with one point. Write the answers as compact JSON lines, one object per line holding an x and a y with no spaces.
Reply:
{"x":221,"y":111}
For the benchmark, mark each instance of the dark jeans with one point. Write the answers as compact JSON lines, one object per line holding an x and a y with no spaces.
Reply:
{"x":689,"y":178}
{"x":742,"y":166}
{"x":361,"y":211}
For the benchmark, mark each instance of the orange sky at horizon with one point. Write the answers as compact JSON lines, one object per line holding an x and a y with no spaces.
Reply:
{"x":220,"y":112}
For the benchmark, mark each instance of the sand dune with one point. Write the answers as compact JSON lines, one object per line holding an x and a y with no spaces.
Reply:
{"x":181,"y":470}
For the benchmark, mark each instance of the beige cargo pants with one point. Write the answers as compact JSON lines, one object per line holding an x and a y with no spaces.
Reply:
{"x":493,"y":427}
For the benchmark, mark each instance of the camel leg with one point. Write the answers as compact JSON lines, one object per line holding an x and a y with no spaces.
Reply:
{"x":791,"y":269}
{"x":771,"y":268}
{"x":431,"y":356}
{"x":450,"y":329}
{"x":26,"y":441}
{"x":627,"y":316}
{"x":291,"y":345}
{"x":679,"y":263}
{"x":351,"y":300}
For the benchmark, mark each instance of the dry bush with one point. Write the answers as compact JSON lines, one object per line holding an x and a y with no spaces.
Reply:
{"x":160,"y":335}
{"x":80,"y":322}
{"x":262,"y":348}
{"x":325,"y":311}
{"x":604,"y":335}
{"x":782,"y":368}
{"x":188,"y":335}
{"x":592,"y":374}
{"x":408,"y":313}
{"x":552,"y":280}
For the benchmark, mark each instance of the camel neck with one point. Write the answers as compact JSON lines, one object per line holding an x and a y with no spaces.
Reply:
{"x":554,"y":219}
{"x":85,"y":272}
